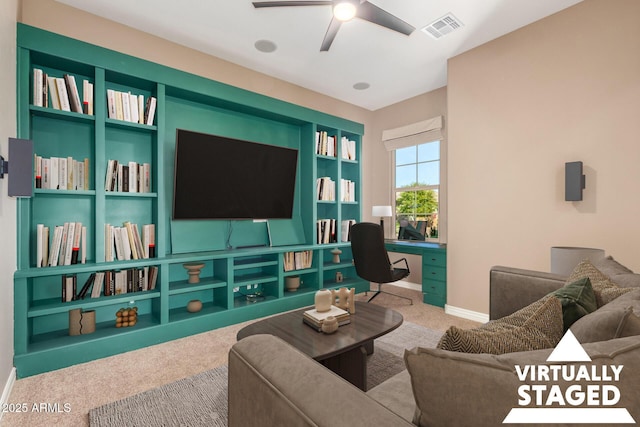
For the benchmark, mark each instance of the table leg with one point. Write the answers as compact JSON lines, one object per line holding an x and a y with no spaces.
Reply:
{"x":350,"y":365}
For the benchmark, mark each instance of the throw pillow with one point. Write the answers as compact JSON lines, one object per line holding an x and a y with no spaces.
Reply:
{"x":577,"y":300}
{"x":542,"y":329}
{"x":604,"y":325}
{"x":605,"y":290}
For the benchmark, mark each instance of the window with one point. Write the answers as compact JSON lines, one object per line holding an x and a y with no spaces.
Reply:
{"x":417,"y":189}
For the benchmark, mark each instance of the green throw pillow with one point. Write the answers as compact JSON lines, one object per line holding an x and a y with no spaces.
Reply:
{"x":578,"y":299}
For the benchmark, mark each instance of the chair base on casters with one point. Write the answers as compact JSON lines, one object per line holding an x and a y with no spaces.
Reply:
{"x":380,"y":291}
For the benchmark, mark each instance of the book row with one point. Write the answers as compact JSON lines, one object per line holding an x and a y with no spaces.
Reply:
{"x":61,"y":173}
{"x":130,"y":177}
{"x":326,"y":145}
{"x":61,"y":93}
{"x":126,"y":242}
{"x":325,"y":189}
{"x":347,"y":190}
{"x":67,"y":247}
{"x":297,"y":260}
{"x":110,"y":282}
{"x":327,"y":230}
{"x":348,"y":148}
{"x":130,"y":107}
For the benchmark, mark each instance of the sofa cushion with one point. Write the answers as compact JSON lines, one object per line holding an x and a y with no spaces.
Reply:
{"x":630,"y":280}
{"x":533,"y":327}
{"x":610,"y":267}
{"x":452,"y":388}
{"x":603,"y":325}
{"x":577,"y":300}
{"x":396,"y":395}
{"x":605,"y":290}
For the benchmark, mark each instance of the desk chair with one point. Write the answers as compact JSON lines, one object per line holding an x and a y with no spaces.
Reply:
{"x":372,"y":260}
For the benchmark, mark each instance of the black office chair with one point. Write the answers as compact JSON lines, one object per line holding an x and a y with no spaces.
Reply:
{"x":371,"y":258}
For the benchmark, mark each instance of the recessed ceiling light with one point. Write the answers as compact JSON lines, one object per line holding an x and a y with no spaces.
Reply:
{"x":266,"y":46}
{"x":361,"y":86}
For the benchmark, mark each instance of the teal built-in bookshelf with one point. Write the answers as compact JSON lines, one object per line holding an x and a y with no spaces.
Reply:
{"x":187,"y":101}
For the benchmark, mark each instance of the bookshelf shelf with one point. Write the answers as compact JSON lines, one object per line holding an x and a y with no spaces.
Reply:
{"x":237,"y":257}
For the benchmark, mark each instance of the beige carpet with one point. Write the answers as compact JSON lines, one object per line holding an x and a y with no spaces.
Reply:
{"x":96,"y":383}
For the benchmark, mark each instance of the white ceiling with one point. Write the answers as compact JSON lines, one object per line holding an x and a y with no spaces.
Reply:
{"x":396,"y":66}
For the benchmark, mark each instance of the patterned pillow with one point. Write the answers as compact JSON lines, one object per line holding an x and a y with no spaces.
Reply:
{"x":605,"y":290}
{"x":542,"y":329}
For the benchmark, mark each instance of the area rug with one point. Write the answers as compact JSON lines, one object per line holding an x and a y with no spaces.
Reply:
{"x":201,"y":400}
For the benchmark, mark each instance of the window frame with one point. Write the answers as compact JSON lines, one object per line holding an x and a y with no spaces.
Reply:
{"x":438,"y":187}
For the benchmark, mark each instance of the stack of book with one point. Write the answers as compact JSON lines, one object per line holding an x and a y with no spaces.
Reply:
{"x":130,"y":107}
{"x":314,"y":319}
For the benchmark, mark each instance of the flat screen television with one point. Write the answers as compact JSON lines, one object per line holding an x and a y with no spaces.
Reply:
{"x":224,"y":178}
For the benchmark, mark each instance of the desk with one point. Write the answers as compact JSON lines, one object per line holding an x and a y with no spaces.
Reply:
{"x":434,"y":267}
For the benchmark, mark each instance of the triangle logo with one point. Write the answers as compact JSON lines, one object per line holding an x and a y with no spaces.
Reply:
{"x":569,"y":350}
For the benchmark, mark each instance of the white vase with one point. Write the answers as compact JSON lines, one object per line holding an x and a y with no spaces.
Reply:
{"x":323,"y":300}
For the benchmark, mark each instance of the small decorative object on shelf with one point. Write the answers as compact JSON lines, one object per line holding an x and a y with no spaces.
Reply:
{"x":338,"y":277}
{"x":336,"y":255}
{"x":82,"y":322}
{"x":330,"y":325}
{"x":126,"y":317}
{"x":193,"y":269}
{"x":194,"y":306}
{"x":345,"y":299}
{"x":323,"y":300}
{"x":292,"y":283}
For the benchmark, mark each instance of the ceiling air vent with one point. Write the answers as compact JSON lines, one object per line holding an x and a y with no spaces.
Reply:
{"x":443,"y":26}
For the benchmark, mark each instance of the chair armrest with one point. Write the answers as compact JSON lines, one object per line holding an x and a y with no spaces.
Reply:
{"x":273,"y":384}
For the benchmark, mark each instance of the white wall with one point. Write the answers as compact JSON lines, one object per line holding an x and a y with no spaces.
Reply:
{"x":8,"y":18}
{"x":565,"y":88}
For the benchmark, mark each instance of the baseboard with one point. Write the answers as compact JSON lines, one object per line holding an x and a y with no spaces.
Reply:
{"x":466,"y":314}
{"x":407,"y":285}
{"x":7,"y":390}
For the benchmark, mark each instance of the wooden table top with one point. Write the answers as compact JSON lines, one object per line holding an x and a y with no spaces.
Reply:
{"x":370,"y":321}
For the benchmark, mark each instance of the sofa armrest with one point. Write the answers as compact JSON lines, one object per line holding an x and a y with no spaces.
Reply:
{"x":273,"y":384}
{"x":514,"y":288}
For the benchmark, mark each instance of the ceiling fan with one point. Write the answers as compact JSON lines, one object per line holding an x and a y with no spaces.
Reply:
{"x":345,"y":10}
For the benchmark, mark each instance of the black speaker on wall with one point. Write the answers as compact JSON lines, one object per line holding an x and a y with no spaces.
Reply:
{"x":21,"y":157}
{"x":574,"y":181}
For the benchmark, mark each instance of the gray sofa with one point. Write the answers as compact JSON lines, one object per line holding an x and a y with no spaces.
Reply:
{"x":273,"y":384}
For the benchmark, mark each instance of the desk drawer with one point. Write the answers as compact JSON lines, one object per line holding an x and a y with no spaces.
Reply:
{"x":430,"y":272}
{"x":433,"y":299}
{"x":435,"y":287}
{"x":435,"y":258}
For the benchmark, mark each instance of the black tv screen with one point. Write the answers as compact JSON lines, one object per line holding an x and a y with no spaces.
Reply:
{"x":224,"y":178}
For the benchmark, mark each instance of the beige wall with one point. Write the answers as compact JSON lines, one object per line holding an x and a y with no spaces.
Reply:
{"x":378,"y":169}
{"x":566,"y":88}
{"x":8,"y":17}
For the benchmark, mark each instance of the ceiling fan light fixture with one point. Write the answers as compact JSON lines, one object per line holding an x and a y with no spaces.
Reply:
{"x":344,"y":10}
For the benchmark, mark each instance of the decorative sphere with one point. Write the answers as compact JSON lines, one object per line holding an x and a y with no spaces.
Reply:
{"x":194,"y":306}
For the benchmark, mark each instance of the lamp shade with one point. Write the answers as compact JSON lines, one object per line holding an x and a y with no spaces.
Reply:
{"x":565,"y":258}
{"x":381,"y":211}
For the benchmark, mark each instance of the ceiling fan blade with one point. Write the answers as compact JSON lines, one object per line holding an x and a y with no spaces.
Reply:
{"x":258,"y":4}
{"x":334,"y":26}
{"x":372,"y":13}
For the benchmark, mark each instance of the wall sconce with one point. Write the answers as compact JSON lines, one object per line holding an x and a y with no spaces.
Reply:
{"x":381,"y":211}
{"x":574,"y":181}
{"x":21,"y":156}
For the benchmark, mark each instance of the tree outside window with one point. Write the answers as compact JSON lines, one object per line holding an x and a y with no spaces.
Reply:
{"x":417,"y":185}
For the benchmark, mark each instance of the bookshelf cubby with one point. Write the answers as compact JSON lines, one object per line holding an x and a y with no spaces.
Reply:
{"x":231,"y":272}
